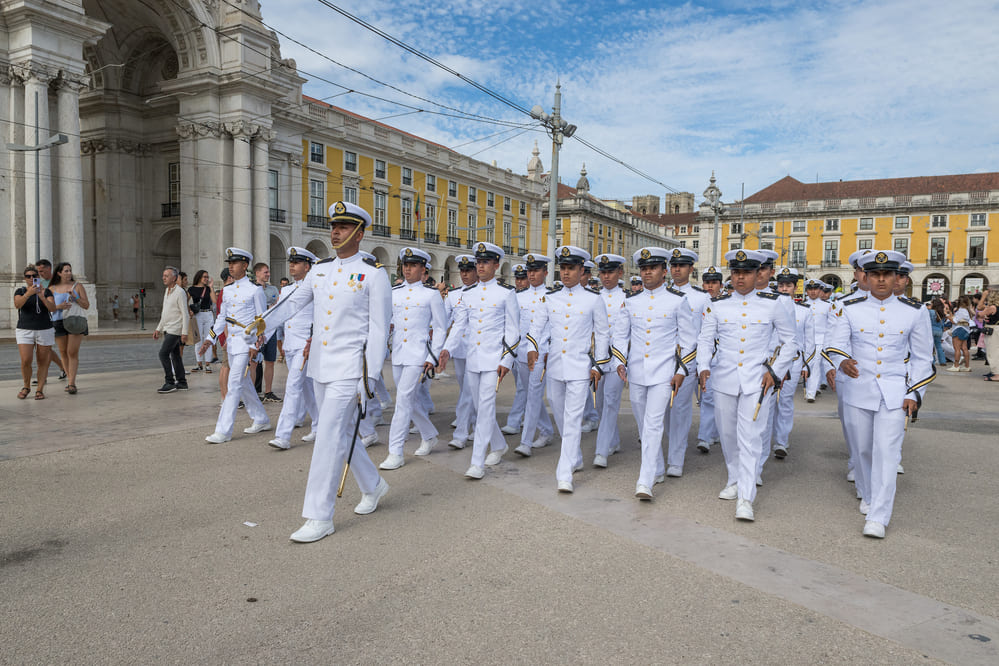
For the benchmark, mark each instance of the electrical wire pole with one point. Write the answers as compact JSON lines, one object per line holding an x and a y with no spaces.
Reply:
{"x":558,"y":129}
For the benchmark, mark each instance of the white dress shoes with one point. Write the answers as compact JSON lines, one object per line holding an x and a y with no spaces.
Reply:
{"x":311,"y":437}
{"x":703,"y":446}
{"x":495,"y":456}
{"x":392,"y":461}
{"x":475,"y":472}
{"x":780,"y":452}
{"x":851,"y":477}
{"x":457,"y":443}
{"x":864,"y":507}
{"x":744,"y":510}
{"x":675,"y":471}
{"x":600,"y":461}
{"x":542,"y":442}
{"x":369,"y":502}
{"x":413,"y":430}
{"x":369,"y":440}
{"x":659,"y":479}
{"x":873,"y":529}
{"x":257,"y":427}
{"x":729,"y":492}
{"x":643,"y":492}
{"x":454,"y":424}
{"x":279,"y":444}
{"x":759,"y":481}
{"x":217,"y":438}
{"x":426,"y":446}
{"x":900,"y":470}
{"x":565,"y":486}
{"x":577,"y":468}
{"x":523,"y":450}
{"x":313,"y":530}
{"x":590,"y":426}
{"x":509,"y":430}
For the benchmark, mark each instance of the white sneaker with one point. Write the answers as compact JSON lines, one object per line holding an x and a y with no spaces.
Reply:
{"x":744,"y":510}
{"x":614,"y":450}
{"x":217,"y":438}
{"x":523,"y":450}
{"x":810,"y":397}
{"x":864,"y":507}
{"x":413,"y":430}
{"x":313,"y":530}
{"x":279,"y":444}
{"x":780,"y":452}
{"x":729,"y":492}
{"x":873,"y":529}
{"x":387,"y":405}
{"x":457,"y":443}
{"x":454,"y":424}
{"x":426,"y":446}
{"x":590,"y":426}
{"x":851,"y":477}
{"x":952,"y":368}
{"x":369,"y":502}
{"x":643,"y":492}
{"x":369,"y":440}
{"x":509,"y":430}
{"x":703,"y":446}
{"x":660,"y":479}
{"x":565,"y":486}
{"x":675,"y":471}
{"x":495,"y":456}
{"x":759,"y":481}
{"x":475,"y":472}
{"x":964,"y":368}
{"x":600,"y":461}
{"x":311,"y":437}
{"x":392,"y":461}
{"x":577,"y":468}
{"x":900,"y":470}
{"x":300,"y":424}
{"x":257,"y":427}
{"x":542,"y":442}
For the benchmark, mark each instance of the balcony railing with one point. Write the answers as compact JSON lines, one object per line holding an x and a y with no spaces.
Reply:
{"x":976,"y":261}
{"x":831,"y":263}
{"x":470,"y":244}
{"x":171,"y":209}
{"x":317,"y":222}
{"x":278,"y":215}
{"x":380,"y":230}
{"x":453,"y":241}
{"x":797,"y":262}
{"x":508,"y":249}
{"x":938,"y":261}
{"x":407,"y":234}
{"x":431,"y":238}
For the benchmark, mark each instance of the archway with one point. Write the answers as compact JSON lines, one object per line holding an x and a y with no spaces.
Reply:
{"x":279,"y":260}
{"x":318,"y":248}
{"x":974,"y":283}
{"x":833,"y":279}
{"x":450,"y":275}
{"x":936,"y":284}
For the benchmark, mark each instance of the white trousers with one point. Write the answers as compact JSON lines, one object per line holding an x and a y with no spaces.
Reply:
{"x":488,"y":435}
{"x":741,"y":437}
{"x":337,"y":416}
{"x":372,"y":413}
{"x":521,"y":376}
{"x":878,"y":436}
{"x":706,"y":429}
{"x":204,"y":321}
{"x":381,"y":391}
{"x":408,"y":406}
{"x":590,"y":413}
{"x":679,"y":419}
{"x":568,"y":400}
{"x":299,"y":396}
{"x":423,"y":396}
{"x":609,"y":403}
{"x":784,"y":421}
{"x":537,"y":421}
{"x":650,"y":404}
{"x":817,"y":371}
{"x":240,"y":387}
{"x":851,"y":447}
{"x":466,"y":407}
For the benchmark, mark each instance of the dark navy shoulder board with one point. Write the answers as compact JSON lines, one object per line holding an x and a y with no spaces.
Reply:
{"x":675,"y":291}
{"x":401,"y":284}
{"x":804,"y":305}
{"x":696,"y":288}
{"x":371,"y":262}
{"x":721,"y":298}
{"x":471,"y":286}
{"x":324,"y":261}
{"x":554,"y":290}
{"x":860,"y":299}
{"x":633,"y":293}
{"x":505,"y":286}
{"x":910,"y":302}
{"x":592,"y":291}
{"x":768,"y":294}
{"x":522,"y":289}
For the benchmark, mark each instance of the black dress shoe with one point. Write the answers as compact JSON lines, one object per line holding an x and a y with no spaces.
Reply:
{"x":167,"y":388}
{"x":181,"y":386}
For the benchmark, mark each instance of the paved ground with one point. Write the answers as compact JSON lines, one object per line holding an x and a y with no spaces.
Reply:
{"x":122,"y":539}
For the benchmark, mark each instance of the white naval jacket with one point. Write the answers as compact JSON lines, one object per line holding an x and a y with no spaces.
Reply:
{"x":298,"y":329}
{"x":568,"y":317}
{"x":488,"y":320}
{"x":416,"y":309}
{"x":351,"y":302}
{"x":530,"y":300}
{"x":242,"y":302}
{"x":804,"y":335}
{"x":823,"y":318}
{"x":743,"y":326}
{"x":699,"y":301}
{"x":450,"y":305}
{"x":613,"y":300}
{"x":881,"y":336}
{"x":647,"y":329}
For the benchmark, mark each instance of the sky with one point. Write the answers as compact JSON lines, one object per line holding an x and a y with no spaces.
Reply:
{"x":752,"y":90}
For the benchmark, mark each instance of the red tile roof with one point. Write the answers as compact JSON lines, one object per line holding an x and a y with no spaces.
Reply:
{"x":791,"y":189}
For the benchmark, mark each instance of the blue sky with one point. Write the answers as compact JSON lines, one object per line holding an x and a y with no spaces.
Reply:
{"x":752,"y":90}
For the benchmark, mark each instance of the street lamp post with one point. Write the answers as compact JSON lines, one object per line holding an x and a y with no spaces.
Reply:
{"x":558,"y":129}
{"x":713,"y":196}
{"x":54,"y":140}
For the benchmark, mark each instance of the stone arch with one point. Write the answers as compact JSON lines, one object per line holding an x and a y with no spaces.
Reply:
{"x":167,"y":245}
{"x":974,"y":276}
{"x":383,"y":256}
{"x":450,"y":272}
{"x":279,"y":259}
{"x":936,"y":284}
{"x":318,"y":248}
{"x":833,"y":279}
{"x":506,"y":272}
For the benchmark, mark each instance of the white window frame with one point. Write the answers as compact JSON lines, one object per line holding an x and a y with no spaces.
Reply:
{"x":799,"y":226}
{"x":273,"y":193}
{"x":407,"y":176}
{"x":490,"y":200}
{"x":934,"y":219}
{"x":452,"y":188}
{"x":173,"y":182}
{"x":317,"y":149}
{"x":901,"y":222}
{"x":452,"y":222}
{"x":431,"y":182}
{"x":978,"y":220}
{"x":869,"y":221}
{"x":832,"y":224}
{"x":899,"y":243}
{"x":381,"y":209}
{"x":381,"y":170}
{"x":349,"y":165}
{"x":317,"y":197}
{"x":767,"y":227}
{"x":350,"y":194}
{"x":472,"y":194}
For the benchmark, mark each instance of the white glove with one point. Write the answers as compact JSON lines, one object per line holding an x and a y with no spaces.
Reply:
{"x":361,"y":391}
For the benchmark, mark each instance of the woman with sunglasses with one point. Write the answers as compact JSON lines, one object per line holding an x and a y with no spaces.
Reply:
{"x":66,"y":291}
{"x":34,"y":330}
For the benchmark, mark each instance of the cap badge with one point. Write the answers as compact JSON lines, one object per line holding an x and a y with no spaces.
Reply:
{"x":228,"y":252}
{"x":645,"y":254}
{"x":740,"y":256}
{"x":292,"y":252}
{"x":880,"y":258}
{"x":482,"y":247}
{"x":786,"y":271}
{"x":530,"y":258}
{"x":565,"y":251}
{"x":409,"y":252}
{"x":339,"y":209}
{"x":712,"y":270}
{"x":676,"y":252}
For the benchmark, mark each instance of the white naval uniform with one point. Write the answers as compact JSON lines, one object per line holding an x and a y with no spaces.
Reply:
{"x":805,"y":346}
{"x":465,"y":407}
{"x":821,"y":309}
{"x":851,"y":447}
{"x":351,"y":303}
{"x":769,"y":415}
{"x":487,"y":322}
{"x":299,"y":392}
{"x":242,"y":301}
{"x":415,"y":310}
{"x":879,"y":336}
{"x":679,"y":419}
{"x":610,"y":388}
{"x":742,"y":324}
{"x":649,"y":326}
{"x":537,"y":423}
{"x":568,"y":317}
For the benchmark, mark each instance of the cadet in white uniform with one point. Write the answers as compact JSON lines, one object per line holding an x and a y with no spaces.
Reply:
{"x":538,"y":430}
{"x":242,"y":302}
{"x":515,"y":418}
{"x":591,"y":415}
{"x":858,"y":289}
{"x":570,"y":317}
{"x":351,"y":302}
{"x":465,"y":407}
{"x":416,"y":309}
{"x":374,"y":408}
{"x":707,"y":431}
{"x":653,"y":333}
{"x":873,"y":336}
{"x":821,"y":310}
{"x":743,"y":367}
{"x":611,"y":267}
{"x":681,"y":416}
{"x":299,"y":393}
{"x":487,"y":321}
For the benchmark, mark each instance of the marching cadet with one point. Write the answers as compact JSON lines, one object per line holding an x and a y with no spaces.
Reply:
{"x":416,"y":309}
{"x":744,"y":371}
{"x":857,"y":289}
{"x":375,"y":408}
{"x":299,"y":394}
{"x":681,"y":416}
{"x":570,"y":317}
{"x":707,"y":431}
{"x":636,"y":284}
{"x":520,"y":277}
{"x":821,"y":309}
{"x":901,"y":284}
{"x":591,"y":416}
{"x":879,"y":389}
{"x":787,"y":281}
{"x":351,"y":302}
{"x":538,"y":430}
{"x":515,"y":418}
{"x":611,"y":267}
{"x":242,"y":302}
{"x":488,"y":319}
{"x":653,"y":333}
{"x":465,"y":407}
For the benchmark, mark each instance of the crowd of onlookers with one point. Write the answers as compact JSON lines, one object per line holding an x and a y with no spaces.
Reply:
{"x":965,"y":330}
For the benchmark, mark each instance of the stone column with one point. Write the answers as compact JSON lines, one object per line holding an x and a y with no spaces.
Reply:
{"x":70,"y":174}
{"x":242,"y":183}
{"x":38,"y":166}
{"x":261,"y":208}
{"x":10,"y":257}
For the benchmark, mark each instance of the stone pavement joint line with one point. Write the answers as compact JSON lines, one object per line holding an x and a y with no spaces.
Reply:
{"x":936,"y":629}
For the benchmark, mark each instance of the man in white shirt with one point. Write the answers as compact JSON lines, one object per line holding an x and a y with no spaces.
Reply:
{"x":611,"y":267}
{"x":173,"y":327}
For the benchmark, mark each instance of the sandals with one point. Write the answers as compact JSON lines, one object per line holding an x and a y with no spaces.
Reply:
{"x":23,"y":393}
{"x":71,"y":389}
{"x":39,"y":395}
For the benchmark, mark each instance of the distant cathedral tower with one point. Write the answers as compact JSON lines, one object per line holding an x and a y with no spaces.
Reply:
{"x":647,"y":204}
